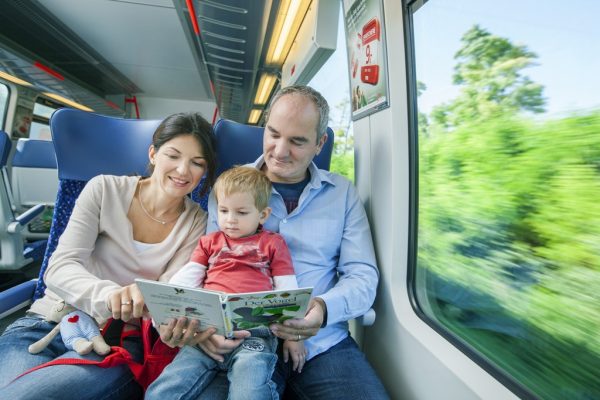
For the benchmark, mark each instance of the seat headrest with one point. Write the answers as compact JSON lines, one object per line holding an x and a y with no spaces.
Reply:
{"x":239,"y":144}
{"x":88,"y":144}
{"x":32,"y":153}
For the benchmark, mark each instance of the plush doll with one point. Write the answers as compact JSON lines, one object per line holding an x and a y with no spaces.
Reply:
{"x":78,"y":330}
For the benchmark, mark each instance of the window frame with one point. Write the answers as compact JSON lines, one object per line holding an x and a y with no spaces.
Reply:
{"x":4,"y":113}
{"x":409,"y":7}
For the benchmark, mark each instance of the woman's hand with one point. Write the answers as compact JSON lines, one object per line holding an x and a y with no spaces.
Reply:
{"x":181,"y":332}
{"x":300,"y":329}
{"x":126,"y":303}
{"x":217,"y":345}
{"x":295,"y":351}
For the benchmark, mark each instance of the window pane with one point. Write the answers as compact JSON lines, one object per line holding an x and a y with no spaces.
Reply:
{"x":3,"y":103}
{"x":39,"y":131}
{"x":43,"y":110}
{"x":509,"y":181}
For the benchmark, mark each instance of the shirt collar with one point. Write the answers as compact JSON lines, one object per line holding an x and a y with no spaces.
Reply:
{"x":317,"y":177}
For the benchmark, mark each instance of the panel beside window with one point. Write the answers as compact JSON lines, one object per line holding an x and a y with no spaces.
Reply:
{"x":332,"y":82}
{"x":508,"y":218}
{"x":4,"y":95}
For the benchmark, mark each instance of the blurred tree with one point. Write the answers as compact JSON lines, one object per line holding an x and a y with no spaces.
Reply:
{"x":342,"y":160}
{"x":344,"y":141}
{"x":423,"y":120}
{"x":489,"y":72}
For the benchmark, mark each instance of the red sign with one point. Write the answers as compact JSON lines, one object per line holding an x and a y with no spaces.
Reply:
{"x":371,"y":31}
{"x":369,"y":74}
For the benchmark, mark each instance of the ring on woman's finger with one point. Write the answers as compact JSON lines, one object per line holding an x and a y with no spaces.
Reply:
{"x":126,"y":303}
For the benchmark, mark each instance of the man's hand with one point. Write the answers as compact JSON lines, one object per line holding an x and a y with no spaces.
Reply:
{"x":299,"y":329}
{"x":181,"y":332}
{"x":217,"y":345}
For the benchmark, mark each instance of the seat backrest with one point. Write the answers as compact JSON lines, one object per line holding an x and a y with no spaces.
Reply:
{"x":239,"y":144}
{"x":11,"y":243}
{"x":87,"y":145}
{"x":6,"y":211}
{"x":5,"y":146}
{"x":34,"y":175}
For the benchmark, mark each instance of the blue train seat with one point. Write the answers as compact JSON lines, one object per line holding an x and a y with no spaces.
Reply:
{"x":239,"y":144}
{"x":14,"y":252}
{"x":86,"y":145}
{"x":34,"y":180}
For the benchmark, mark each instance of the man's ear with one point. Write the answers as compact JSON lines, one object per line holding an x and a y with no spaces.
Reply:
{"x":264,"y":215}
{"x":322,"y":142}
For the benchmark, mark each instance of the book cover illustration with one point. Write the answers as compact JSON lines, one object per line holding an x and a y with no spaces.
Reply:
{"x":260,"y":309}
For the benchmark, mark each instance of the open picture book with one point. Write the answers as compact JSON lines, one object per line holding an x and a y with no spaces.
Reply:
{"x":227,"y":312}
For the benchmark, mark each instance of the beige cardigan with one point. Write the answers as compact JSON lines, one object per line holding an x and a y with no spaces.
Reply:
{"x":96,"y":253}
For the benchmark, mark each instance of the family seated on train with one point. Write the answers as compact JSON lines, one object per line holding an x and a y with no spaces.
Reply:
{"x":92,"y":270}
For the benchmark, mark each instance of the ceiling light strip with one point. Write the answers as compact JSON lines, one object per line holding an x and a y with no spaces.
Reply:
{"x":14,"y":79}
{"x":289,"y":19}
{"x":265,"y":87}
{"x":254,"y":116}
{"x":66,"y":101}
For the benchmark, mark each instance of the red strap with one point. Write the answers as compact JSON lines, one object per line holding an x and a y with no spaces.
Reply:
{"x":118,"y":356}
{"x":156,"y":356}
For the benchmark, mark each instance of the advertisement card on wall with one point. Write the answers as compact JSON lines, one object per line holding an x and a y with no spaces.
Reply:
{"x":365,"y":37}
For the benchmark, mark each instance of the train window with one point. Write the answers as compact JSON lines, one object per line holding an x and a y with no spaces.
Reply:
{"x":4,"y":92}
{"x":332,"y":81}
{"x":42,"y":110}
{"x":507,"y":113}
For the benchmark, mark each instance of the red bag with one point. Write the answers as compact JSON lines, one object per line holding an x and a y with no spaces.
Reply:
{"x":157,"y":355}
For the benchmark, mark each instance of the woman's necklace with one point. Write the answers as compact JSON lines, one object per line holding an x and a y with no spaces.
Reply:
{"x":148,"y":214}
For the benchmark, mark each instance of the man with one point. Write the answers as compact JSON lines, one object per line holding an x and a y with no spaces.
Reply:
{"x":325,"y":226}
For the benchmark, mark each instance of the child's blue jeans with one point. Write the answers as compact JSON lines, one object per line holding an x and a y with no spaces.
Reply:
{"x":249,"y":371}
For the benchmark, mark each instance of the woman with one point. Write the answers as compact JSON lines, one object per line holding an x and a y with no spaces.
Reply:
{"x":121,"y":228}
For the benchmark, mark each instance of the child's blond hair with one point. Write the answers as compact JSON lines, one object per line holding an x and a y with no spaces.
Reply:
{"x":245,"y":180}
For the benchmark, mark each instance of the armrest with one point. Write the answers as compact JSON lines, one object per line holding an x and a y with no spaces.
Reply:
{"x":367,"y":319}
{"x":16,"y":297}
{"x":26,"y":218}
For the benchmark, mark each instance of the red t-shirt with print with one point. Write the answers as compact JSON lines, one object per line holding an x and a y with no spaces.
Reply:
{"x":245,"y":264}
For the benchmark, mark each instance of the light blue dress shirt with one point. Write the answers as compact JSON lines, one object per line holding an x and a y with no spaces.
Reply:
{"x":329,"y":238}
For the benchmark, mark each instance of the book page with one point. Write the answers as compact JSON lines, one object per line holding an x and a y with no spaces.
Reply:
{"x":260,"y":309}
{"x":166,"y":301}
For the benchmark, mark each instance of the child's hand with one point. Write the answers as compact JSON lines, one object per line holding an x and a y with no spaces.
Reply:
{"x":298,"y":353}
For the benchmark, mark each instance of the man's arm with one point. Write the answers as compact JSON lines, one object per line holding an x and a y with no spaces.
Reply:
{"x":355,"y":290}
{"x":354,"y":293}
